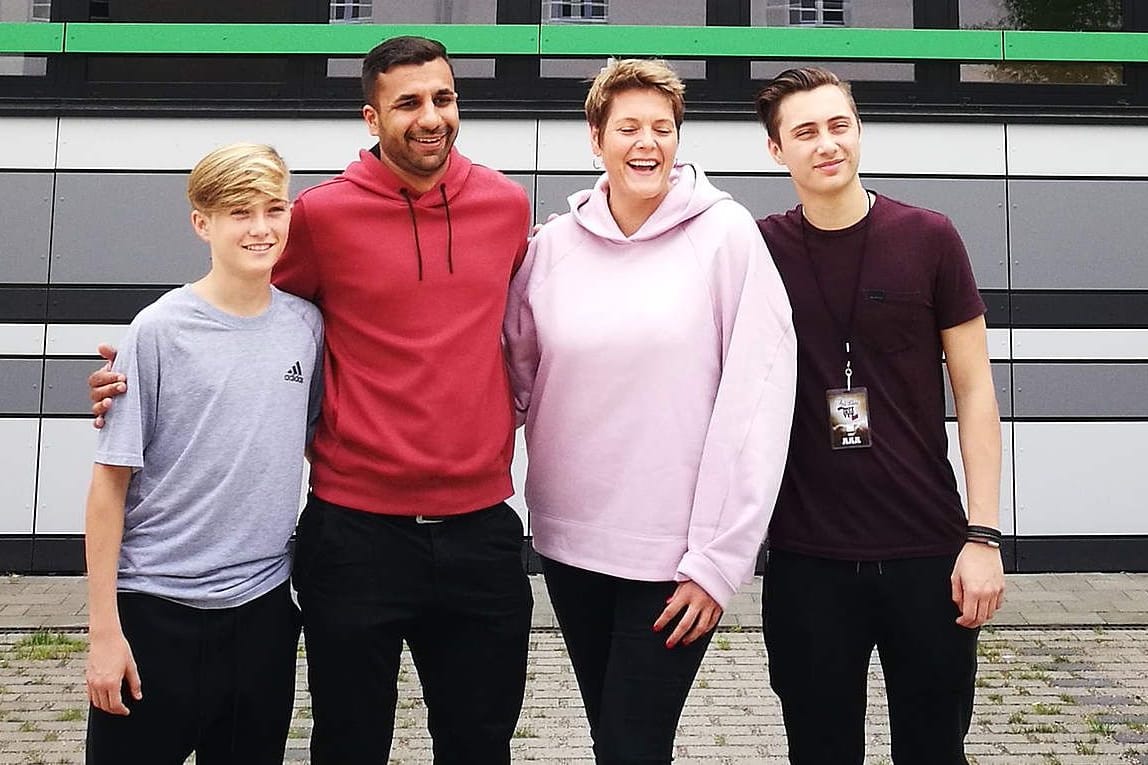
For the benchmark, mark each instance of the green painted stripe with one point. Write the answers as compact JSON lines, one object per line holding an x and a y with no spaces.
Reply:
{"x":1076,"y":46}
{"x":772,"y":42}
{"x":582,"y":40}
{"x":31,"y":38}
{"x":332,"y":39}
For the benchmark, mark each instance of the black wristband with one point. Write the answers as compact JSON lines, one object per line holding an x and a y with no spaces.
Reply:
{"x":985,"y":535}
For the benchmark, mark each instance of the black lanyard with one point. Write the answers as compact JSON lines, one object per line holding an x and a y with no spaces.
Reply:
{"x":845,"y":334}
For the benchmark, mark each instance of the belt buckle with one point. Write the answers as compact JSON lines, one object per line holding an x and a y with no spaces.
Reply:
{"x":422,"y":519}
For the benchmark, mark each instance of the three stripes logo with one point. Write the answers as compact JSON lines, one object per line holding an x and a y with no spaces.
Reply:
{"x":294,"y":374}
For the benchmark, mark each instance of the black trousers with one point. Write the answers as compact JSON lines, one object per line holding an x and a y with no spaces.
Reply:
{"x":822,"y":620}
{"x":455,"y":591}
{"x":219,"y":682}
{"x":633,"y":687}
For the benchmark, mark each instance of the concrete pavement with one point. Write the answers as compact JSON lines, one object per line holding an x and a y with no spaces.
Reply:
{"x":1063,"y":679}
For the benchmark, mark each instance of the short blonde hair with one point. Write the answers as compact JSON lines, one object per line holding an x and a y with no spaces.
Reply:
{"x":633,"y":74}
{"x":235,"y":175}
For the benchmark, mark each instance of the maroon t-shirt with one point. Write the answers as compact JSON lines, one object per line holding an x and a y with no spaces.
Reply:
{"x":898,"y":498}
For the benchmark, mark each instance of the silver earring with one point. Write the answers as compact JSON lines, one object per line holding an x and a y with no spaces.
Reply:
{"x":597,"y":162}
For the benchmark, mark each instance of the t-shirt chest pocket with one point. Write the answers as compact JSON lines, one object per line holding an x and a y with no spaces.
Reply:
{"x":892,"y":320}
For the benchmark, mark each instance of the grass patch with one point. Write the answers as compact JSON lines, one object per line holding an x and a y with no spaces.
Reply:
{"x":45,"y":645}
{"x":70,"y":715}
{"x":1045,"y":709}
{"x":1085,"y":748}
{"x":524,"y":731}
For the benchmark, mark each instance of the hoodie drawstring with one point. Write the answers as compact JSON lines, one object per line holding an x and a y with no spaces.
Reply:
{"x":415,"y":226}
{"x":449,"y":229}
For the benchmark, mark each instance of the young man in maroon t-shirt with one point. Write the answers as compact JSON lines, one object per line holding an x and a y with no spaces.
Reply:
{"x":869,"y":544}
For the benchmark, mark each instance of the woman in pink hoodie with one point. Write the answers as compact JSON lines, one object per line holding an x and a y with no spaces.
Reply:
{"x":652,"y":356}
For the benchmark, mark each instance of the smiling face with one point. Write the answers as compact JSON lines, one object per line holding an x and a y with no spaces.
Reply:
{"x":637,"y":142}
{"x":246,"y":240}
{"x":819,"y":142}
{"x":415,"y":117}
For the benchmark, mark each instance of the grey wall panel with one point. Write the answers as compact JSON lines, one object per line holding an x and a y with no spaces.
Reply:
{"x":66,"y":385}
{"x":125,"y":228}
{"x":526,"y":181}
{"x":301,"y":181}
{"x":20,"y":381}
{"x":977,"y":209}
{"x":19,"y":439}
{"x":1080,"y":477}
{"x":551,"y":192}
{"x":1072,"y":234}
{"x":1080,"y":390}
{"x":1007,"y":509}
{"x":25,"y":226}
{"x":1002,"y":381}
{"x":66,"y":450}
{"x":762,"y":196}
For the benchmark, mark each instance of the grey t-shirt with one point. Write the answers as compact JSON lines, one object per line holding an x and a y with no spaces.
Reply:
{"x":215,"y":419}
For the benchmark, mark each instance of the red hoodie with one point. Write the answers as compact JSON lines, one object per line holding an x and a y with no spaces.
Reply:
{"x":417,"y":414}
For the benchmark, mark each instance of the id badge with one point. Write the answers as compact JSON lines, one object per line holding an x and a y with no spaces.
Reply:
{"x":849,"y":418}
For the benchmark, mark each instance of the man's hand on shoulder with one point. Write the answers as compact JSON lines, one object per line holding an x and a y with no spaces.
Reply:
{"x":978,"y":583}
{"x":104,"y":385}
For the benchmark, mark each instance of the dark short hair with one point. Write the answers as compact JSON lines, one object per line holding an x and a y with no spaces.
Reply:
{"x":398,"y":51}
{"x":769,"y":98}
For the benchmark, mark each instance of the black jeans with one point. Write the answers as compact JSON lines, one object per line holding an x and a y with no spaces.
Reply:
{"x":219,"y":682}
{"x":633,"y":687}
{"x":455,"y":591}
{"x":822,"y":620}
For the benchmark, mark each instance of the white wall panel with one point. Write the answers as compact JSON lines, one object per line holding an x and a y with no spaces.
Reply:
{"x":1078,"y":150}
{"x":315,"y":145}
{"x":18,"y":445}
{"x":66,"y":450}
{"x":934,"y":149}
{"x":1000,"y":343}
{"x":1007,"y":516}
{"x":1081,"y":344}
{"x":81,"y":339}
{"x":29,"y":143}
{"x":21,"y":339}
{"x":1080,"y":478}
{"x":518,"y":474}
{"x":740,"y":147}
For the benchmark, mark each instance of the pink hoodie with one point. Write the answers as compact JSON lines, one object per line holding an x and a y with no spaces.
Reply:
{"x":656,"y":373}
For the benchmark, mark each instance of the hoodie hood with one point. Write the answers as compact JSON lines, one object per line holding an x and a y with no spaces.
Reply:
{"x":690,"y":195}
{"x":372,"y":174}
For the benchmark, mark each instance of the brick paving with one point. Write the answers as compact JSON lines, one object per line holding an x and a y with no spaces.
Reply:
{"x":1072,"y":690}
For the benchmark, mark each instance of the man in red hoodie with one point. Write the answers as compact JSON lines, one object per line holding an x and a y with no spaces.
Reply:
{"x":406,"y":535}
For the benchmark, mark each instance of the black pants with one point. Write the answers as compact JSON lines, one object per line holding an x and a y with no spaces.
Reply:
{"x":455,"y":591}
{"x":220,"y":683}
{"x":822,"y":620}
{"x":633,"y":687}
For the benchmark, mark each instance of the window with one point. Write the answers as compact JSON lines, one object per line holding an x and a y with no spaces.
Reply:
{"x":820,"y":13}
{"x":350,"y":12}
{"x":577,"y":12}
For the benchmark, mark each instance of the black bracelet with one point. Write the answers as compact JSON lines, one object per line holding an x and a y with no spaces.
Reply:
{"x":985,"y":535}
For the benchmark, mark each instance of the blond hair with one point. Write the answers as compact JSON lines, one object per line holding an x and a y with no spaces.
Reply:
{"x":236,"y":175}
{"x":633,"y":74}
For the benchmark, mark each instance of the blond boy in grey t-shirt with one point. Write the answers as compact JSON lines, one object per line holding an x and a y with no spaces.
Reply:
{"x":195,"y":491}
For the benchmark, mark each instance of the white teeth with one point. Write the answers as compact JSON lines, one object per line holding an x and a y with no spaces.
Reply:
{"x":258,"y":247}
{"x":643,"y":163}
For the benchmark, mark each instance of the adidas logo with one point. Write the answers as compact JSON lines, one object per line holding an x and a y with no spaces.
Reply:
{"x":294,"y":374}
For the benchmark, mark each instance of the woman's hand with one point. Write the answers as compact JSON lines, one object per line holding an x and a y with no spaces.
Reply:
{"x":701,"y":614}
